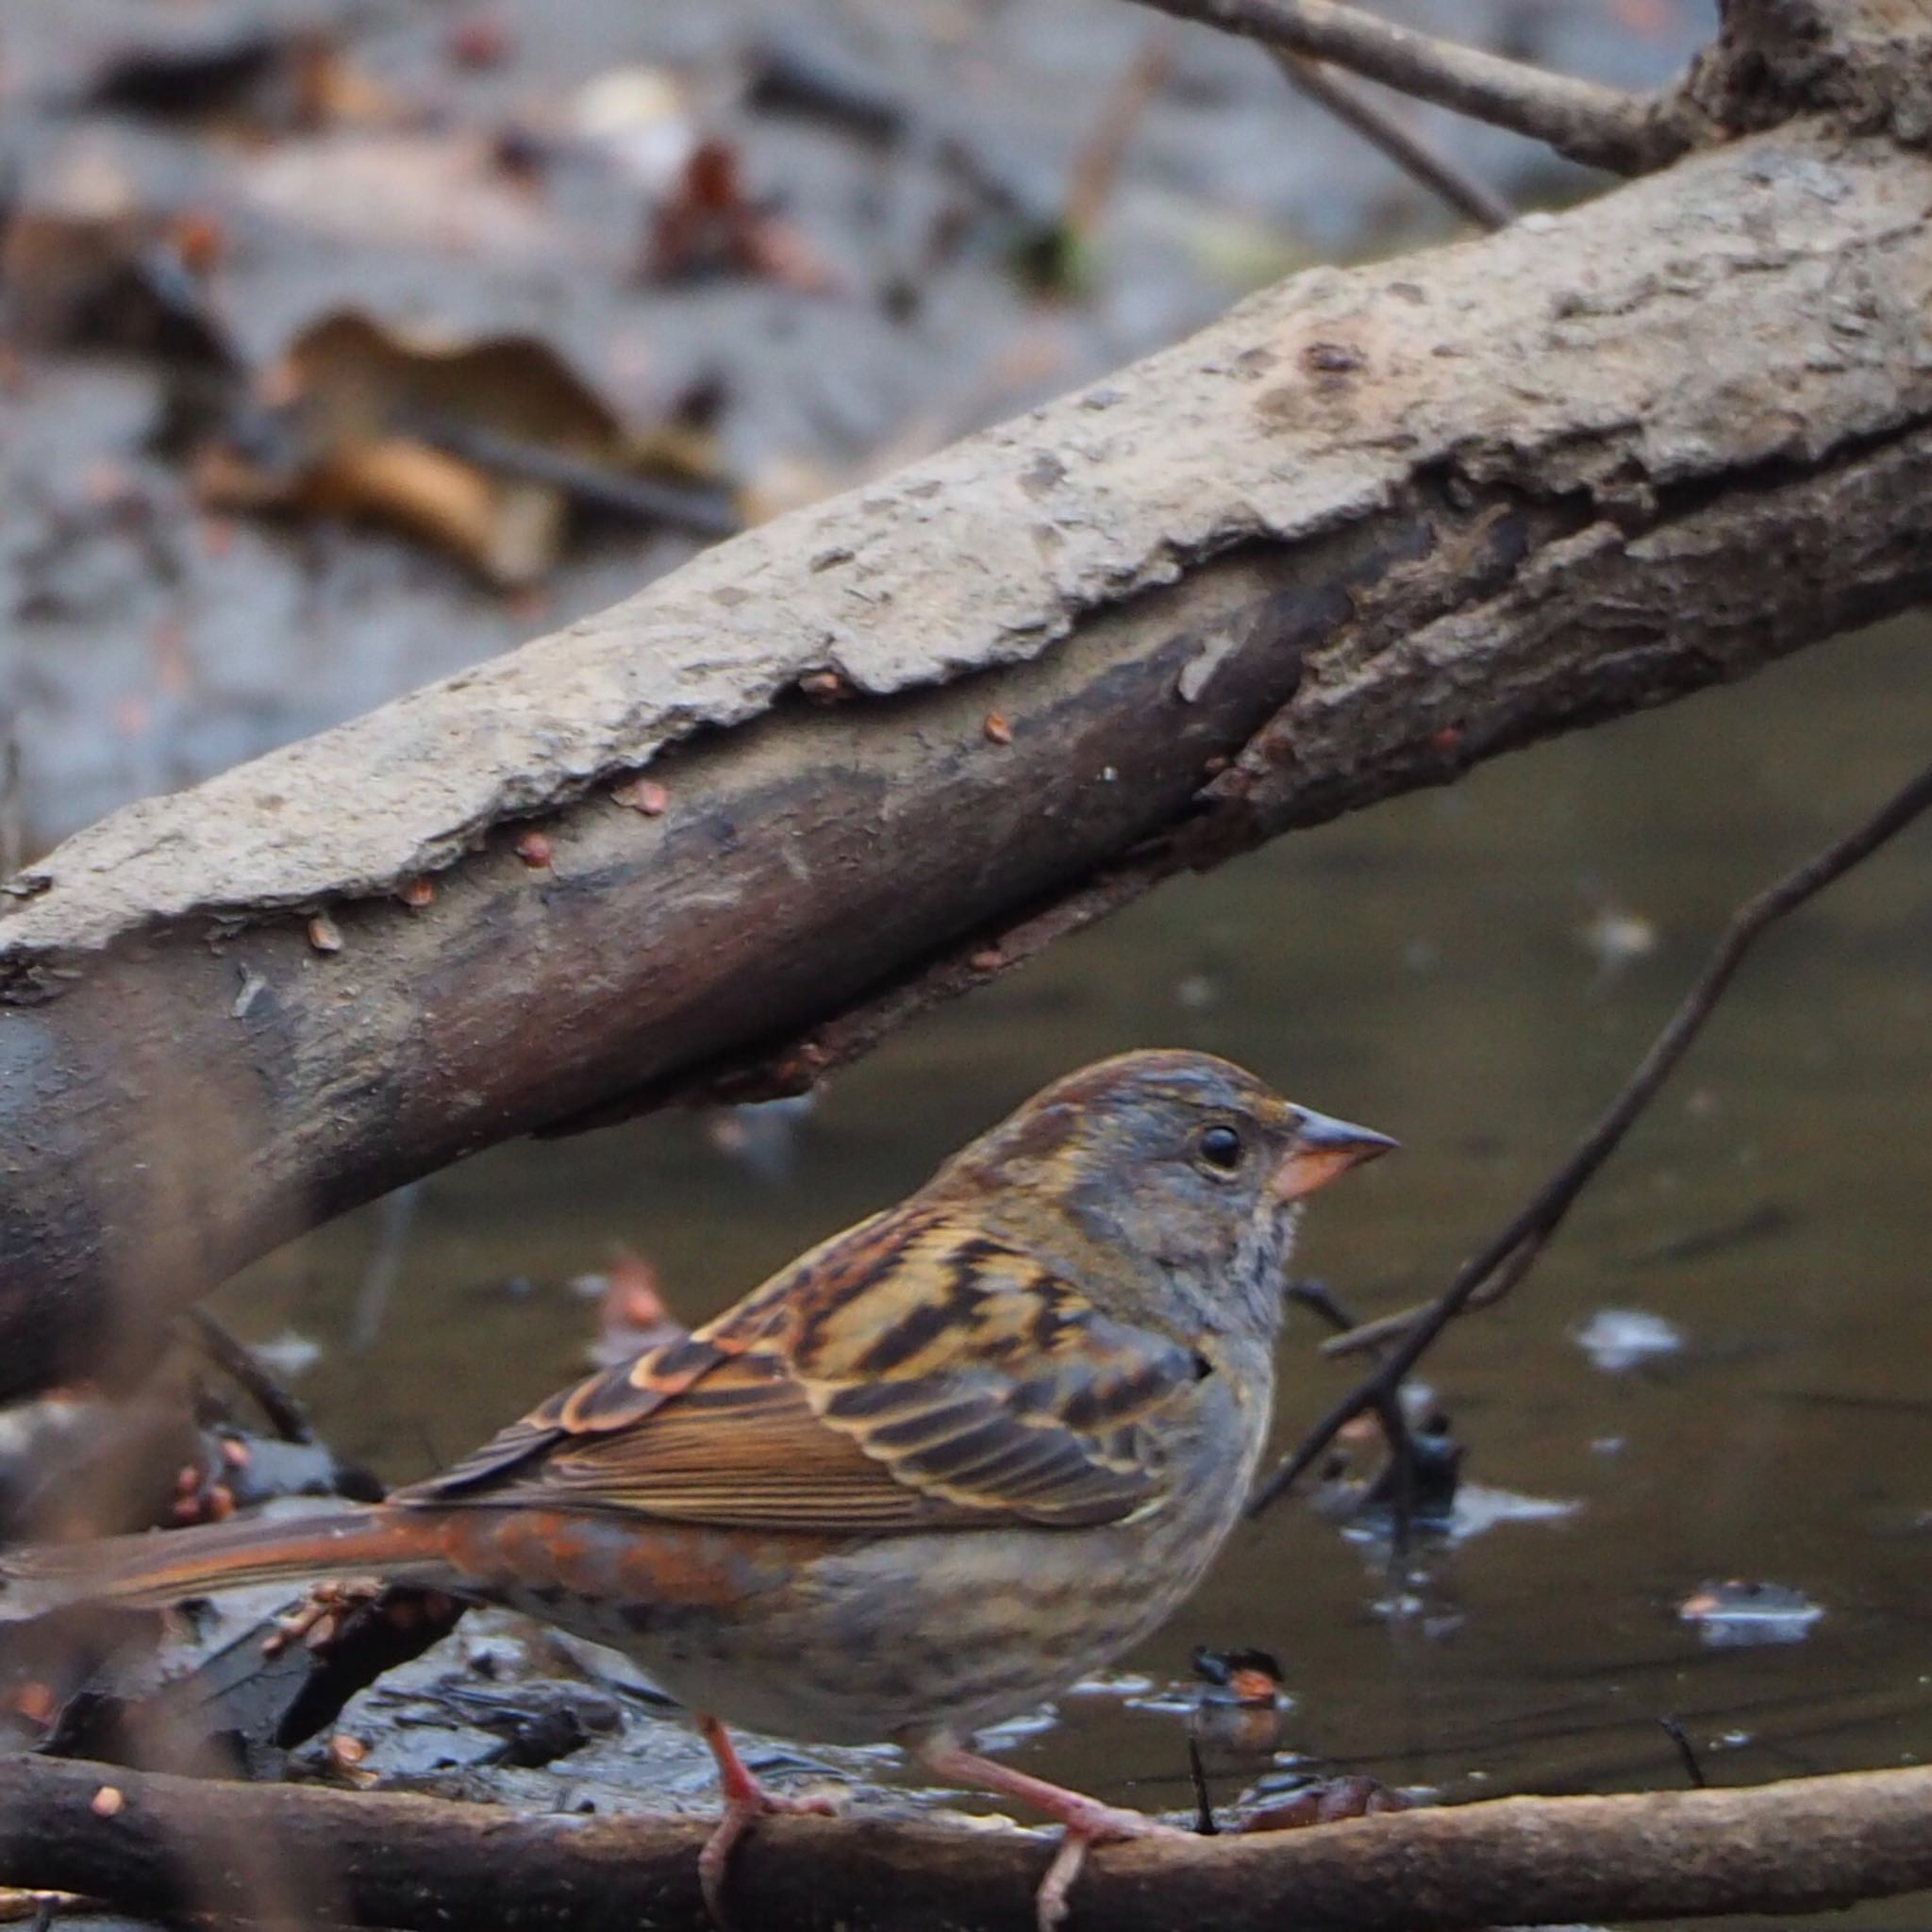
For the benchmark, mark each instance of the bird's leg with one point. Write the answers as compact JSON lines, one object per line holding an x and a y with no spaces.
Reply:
{"x":745,"y":1800}
{"x":1088,"y":1822}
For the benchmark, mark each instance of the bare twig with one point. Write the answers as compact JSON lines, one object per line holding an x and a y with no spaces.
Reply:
{"x":1490,"y":1273}
{"x":229,"y":1353}
{"x":1097,"y":165}
{"x":701,"y":510}
{"x":1604,"y":127}
{"x":1205,"y":1825}
{"x":1419,"y":159}
{"x":1685,"y":1752}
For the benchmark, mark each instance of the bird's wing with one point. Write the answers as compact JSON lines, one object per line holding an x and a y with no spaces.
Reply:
{"x":907,"y":1374}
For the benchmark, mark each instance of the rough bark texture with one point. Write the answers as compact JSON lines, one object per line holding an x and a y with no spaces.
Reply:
{"x":1372,"y":526}
{"x":174,"y":1845}
{"x":1866,"y":62}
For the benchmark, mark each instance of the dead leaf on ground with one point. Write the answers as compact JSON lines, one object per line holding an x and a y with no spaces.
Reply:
{"x":482,"y":447}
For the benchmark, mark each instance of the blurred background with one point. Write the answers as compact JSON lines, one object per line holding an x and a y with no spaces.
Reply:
{"x":346,"y":345}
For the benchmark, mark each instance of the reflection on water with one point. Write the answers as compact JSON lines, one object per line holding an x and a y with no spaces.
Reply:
{"x":1474,"y":970}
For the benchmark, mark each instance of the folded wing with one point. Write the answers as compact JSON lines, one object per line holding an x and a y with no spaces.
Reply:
{"x":907,"y":1374}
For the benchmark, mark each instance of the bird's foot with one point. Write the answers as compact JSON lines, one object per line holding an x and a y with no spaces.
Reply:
{"x":1092,"y":1825}
{"x":745,"y":1802}
{"x":1086,"y":1821}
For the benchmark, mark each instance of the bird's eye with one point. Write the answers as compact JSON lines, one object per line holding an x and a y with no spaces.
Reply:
{"x":1220,"y":1148}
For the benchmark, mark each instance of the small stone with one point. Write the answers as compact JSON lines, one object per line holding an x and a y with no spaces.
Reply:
{"x":535,"y":850}
{"x":996,"y":728}
{"x":324,"y":934}
{"x":106,"y":1802}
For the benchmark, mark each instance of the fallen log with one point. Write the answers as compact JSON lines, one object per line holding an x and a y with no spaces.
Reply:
{"x":171,"y":1844}
{"x":1371,"y":529}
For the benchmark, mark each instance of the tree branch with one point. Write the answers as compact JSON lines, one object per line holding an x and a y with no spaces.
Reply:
{"x":1602,"y":127}
{"x":172,"y":1844}
{"x":1414,"y":156}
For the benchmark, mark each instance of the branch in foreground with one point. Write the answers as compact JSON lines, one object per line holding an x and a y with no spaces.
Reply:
{"x":1414,"y":156}
{"x":424,"y":1864}
{"x":1603,"y":126}
{"x":1489,"y":1275}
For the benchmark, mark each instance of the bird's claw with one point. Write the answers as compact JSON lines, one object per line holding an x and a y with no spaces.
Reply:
{"x":1092,"y":1824}
{"x":741,"y":1811}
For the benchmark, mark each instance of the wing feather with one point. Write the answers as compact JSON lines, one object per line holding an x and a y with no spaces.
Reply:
{"x":908,"y":1375}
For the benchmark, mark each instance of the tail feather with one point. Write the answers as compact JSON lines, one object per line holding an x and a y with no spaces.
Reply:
{"x":162,"y":1567}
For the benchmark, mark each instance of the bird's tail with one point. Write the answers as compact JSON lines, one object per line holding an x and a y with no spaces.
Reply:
{"x":163,"y":1566}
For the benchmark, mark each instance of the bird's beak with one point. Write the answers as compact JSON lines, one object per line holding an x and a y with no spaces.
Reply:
{"x":1323,"y":1148}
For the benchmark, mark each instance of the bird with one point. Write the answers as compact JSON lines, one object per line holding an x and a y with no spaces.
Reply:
{"x":941,"y":1466}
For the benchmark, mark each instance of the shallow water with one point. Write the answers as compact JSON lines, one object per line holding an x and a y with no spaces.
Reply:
{"x":1427,"y":968}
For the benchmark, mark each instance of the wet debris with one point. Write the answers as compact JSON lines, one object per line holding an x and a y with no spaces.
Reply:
{"x":709,"y":224}
{"x":1422,"y":1486}
{"x":548,"y":1721}
{"x":1240,"y":1710}
{"x":1736,"y":1613}
{"x":1616,"y":938}
{"x":1620,"y":1340}
{"x":1326,"y":1801}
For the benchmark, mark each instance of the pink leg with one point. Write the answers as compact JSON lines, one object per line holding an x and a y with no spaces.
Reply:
{"x":745,"y":1800}
{"x":1087,"y":1819}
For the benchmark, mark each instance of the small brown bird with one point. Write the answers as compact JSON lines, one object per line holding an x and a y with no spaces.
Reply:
{"x":927,"y":1475}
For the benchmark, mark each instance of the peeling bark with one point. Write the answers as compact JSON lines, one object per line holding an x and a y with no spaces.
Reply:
{"x":1370,"y":528}
{"x":174,"y":1845}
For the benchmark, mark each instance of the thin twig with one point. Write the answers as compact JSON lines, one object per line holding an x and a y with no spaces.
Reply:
{"x":233,"y":1356}
{"x":1685,"y":1751}
{"x":701,"y":509}
{"x":1205,"y":1825}
{"x":1419,"y":159}
{"x":1604,"y":127}
{"x":1097,"y":165}
{"x":1503,"y":1256}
